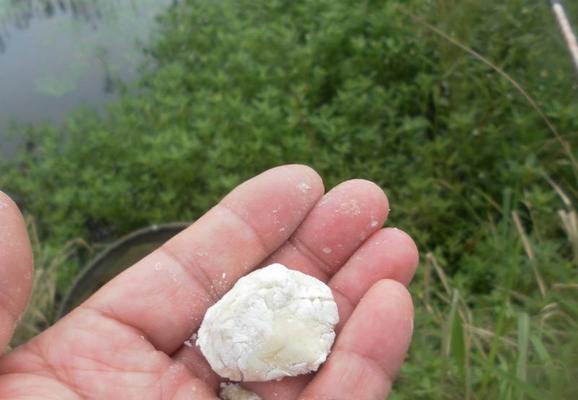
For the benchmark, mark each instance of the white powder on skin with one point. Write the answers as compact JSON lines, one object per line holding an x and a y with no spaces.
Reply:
{"x":304,"y":187}
{"x":350,"y":207}
{"x":232,"y":391}
{"x":275,"y":322}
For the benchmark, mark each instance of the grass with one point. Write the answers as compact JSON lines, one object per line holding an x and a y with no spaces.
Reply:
{"x":463,"y":111}
{"x":522,"y":346}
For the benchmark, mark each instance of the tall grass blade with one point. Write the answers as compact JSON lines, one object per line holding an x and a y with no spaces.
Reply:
{"x":523,"y":345}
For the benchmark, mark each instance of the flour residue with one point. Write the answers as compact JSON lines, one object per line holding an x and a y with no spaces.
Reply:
{"x":201,"y":253}
{"x":175,"y":278}
{"x":350,"y":207}
{"x":275,"y":213}
{"x":304,"y":187}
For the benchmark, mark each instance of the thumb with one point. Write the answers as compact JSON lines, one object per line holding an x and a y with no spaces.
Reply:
{"x":15,"y":268}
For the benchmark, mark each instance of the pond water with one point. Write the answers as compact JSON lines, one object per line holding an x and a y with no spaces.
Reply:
{"x":58,"y":55}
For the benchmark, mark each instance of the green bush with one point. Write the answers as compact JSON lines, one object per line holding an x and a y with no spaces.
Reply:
{"x":354,"y":89}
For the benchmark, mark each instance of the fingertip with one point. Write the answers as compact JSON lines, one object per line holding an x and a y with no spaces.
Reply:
{"x":392,"y":295}
{"x":306,"y":179}
{"x":13,"y":232}
{"x":406,"y":240}
{"x":373,"y":193}
{"x":6,"y":202}
{"x":16,"y":265}
{"x":387,"y":254}
{"x":339,"y":223}
{"x":407,"y":252}
{"x":306,"y":171}
{"x":385,"y":316}
{"x":371,"y":186}
{"x":370,"y":349}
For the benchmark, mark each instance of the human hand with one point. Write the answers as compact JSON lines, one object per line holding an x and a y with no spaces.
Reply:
{"x":126,"y":341}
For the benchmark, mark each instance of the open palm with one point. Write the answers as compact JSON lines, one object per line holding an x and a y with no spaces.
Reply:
{"x":126,"y":341}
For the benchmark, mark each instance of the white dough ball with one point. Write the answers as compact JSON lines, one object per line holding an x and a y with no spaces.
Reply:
{"x":274,"y":322}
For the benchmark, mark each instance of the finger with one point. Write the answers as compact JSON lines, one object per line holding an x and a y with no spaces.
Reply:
{"x":15,"y":268}
{"x":341,"y":220}
{"x":335,"y":229}
{"x":165,"y":296}
{"x":387,"y":254}
{"x":370,"y":349}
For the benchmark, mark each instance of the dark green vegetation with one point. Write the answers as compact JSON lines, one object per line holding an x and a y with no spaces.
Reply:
{"x":359,"y":89}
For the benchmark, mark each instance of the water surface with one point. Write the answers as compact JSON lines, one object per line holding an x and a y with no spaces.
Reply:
{"x":58,"y":55}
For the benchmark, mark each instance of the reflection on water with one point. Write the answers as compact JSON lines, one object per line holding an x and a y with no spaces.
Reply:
{"x":56,"y":55}
{"x":19,"y":14}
